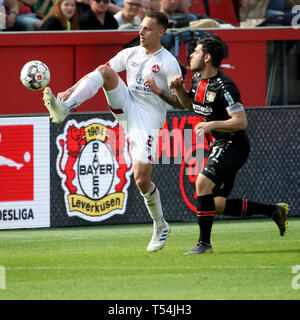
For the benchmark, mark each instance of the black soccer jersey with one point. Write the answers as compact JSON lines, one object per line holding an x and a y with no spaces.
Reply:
{"x":215,"y":99}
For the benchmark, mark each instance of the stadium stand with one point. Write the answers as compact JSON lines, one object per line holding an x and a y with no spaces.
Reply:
{"x":223,"y":10}
{"x":198,"y":7}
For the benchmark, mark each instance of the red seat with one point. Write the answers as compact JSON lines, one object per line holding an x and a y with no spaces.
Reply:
{"x":223,"y":10}
{"x":197,"y":6}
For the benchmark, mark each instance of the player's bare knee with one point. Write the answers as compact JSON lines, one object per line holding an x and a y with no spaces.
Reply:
{"x":106,"y":71}
{"x":142,"y":183}
{"x":110,"y":77}
{"x":220,"y":203}
{"x":204,"y":185}
{"x":102,"y":69}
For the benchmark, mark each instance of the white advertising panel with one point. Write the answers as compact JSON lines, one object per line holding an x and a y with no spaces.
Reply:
{"x":24,"y":172}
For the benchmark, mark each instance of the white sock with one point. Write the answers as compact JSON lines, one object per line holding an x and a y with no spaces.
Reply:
{"x":86,"y":89}
{"x":153,"y":204}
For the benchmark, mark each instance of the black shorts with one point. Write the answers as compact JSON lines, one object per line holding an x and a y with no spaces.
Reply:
{"x":225,"y":158}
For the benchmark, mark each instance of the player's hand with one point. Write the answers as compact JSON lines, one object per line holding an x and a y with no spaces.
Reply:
{"x":63,"y":96}
{"x":203,"y":128}
{"x":150,"y":83}
{"x":177,"y":82}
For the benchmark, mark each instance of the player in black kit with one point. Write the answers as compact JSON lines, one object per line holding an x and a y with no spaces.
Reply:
{"x":214,"y":96}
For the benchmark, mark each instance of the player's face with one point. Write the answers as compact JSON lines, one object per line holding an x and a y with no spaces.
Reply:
{"x":68,"y":8}
{"x":150,"y":33}
{"x":198,"y":59}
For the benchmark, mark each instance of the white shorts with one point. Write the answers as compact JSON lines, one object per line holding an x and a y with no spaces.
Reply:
{"x":143,"y":131}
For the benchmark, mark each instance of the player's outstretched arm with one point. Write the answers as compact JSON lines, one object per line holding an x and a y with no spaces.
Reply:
{"x":185,"y":100}
{"x":168,"y":97}
{"x":171,"y":99}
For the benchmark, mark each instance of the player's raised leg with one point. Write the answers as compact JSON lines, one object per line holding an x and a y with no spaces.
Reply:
{"x":57,"y":109}
{"x":280,"y":217}
{"x":161,"y":229}
{"x":84,"y":89}
{"x":244,"y":207}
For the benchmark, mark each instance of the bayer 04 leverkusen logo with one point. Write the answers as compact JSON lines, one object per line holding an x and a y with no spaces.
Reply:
{"x":95,"y":166}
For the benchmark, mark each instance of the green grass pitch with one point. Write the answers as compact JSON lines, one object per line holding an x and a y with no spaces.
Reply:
{"x":250,"y":261}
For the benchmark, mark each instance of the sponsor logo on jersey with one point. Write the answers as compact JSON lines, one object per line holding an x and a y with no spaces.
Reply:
{"x":229,"y":99}
{"x":210,"y":96}
{"x":155,"y":68}
{"x":94,"y":165}
{"x":203,"y":110}
{"x":140,"y":79}
{"x":133,"y":64}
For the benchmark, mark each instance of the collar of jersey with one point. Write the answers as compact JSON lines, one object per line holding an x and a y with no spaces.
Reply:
{"x":154,"y":53}
{"x":208,"y":79}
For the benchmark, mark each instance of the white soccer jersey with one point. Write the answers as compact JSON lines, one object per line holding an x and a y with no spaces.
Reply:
{"x":161,"y":65}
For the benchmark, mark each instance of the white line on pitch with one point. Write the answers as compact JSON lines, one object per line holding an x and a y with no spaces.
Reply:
{"x":141,"y":268}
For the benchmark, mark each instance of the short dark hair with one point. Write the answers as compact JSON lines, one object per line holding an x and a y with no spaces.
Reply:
{"x":160,"y":17}
{"x":215,"y":47}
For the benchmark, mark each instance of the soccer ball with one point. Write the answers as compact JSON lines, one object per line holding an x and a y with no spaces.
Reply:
{"x":35,"y":75}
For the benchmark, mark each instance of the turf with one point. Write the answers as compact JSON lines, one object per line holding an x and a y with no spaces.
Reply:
{"x":250,"y":261}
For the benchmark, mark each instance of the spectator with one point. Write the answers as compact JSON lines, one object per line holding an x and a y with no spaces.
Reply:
{"x":12,"y":10}
{"x":82,"y":6}
{"x":113,"y":7}
{"x":146,"y":7}
{"x":27,"y":20}
{"x":169,"y":7}
{"x":253,"y":9}
{"x":279,"y":7}
{"x":172,"y":7}
{"x":98,"y":17}
{"x":2,"y":16}
{"x":42,"y":8}
{"x":183,"y":6}
{"x":128,"y":17}
{"x":155,"y":5}
{"x":182,"y":19}
{"x":62,"y":16}
{"x":119,"y":3}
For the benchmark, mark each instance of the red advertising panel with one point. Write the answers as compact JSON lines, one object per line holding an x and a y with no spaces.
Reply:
{"x":24,"y":172}
{"x":16,"y":163}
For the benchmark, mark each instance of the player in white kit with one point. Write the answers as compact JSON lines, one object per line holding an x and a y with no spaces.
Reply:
{"x":138,"y":107}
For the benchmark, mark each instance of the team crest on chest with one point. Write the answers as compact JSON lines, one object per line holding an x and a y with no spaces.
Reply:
{"x":210,"y":96}
{"x":155,"y":68}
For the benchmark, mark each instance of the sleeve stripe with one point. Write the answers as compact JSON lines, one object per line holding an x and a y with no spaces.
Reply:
{"x":235,"y":108}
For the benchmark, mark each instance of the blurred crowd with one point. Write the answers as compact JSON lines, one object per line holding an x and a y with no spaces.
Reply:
{"x":55,"y":15}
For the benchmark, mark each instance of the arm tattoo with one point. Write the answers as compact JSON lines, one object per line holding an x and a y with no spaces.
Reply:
{"x":170,"y":99}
